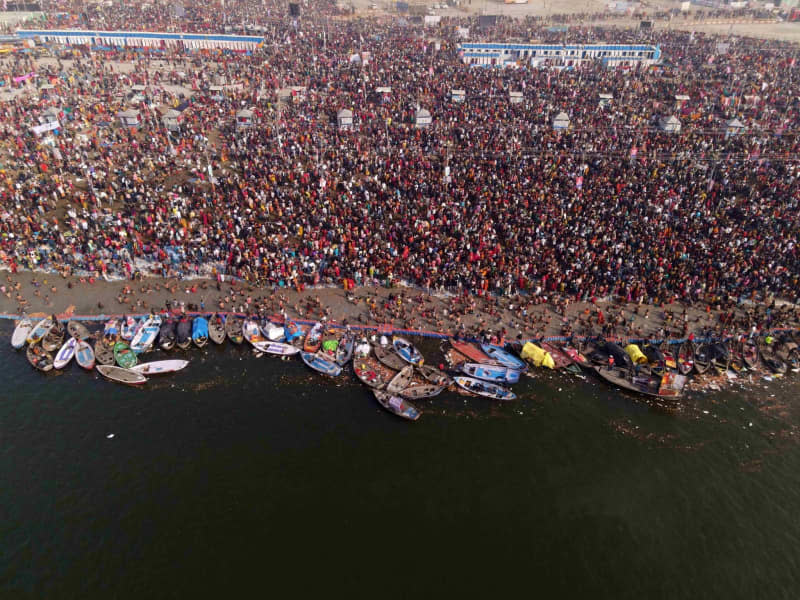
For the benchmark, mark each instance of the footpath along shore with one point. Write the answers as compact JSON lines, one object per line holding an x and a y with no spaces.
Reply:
{"x":397,"y":308}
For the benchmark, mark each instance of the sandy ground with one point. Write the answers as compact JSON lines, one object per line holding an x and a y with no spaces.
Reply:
{"x":75,"y":296}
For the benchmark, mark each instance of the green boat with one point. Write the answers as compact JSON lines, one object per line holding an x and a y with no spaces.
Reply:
{"x":125,"y":357}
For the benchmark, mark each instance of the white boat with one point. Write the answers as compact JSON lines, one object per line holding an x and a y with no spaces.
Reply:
{"x":321,"y":364}
{"x":128,"y":328}
{"x":21,"y":332}
{"x":84,"y":355}
{"x":121,"y":375}
{"x":484,"y":388}
{"x":146,"y":335}
{"x":42,"y":328}
{"x":279,"y":348}
{"x":77,"y":330}
{"x":159,"y":367}
{"x":407,"y":351}
{"x":65,"y":354}
{"x":252,"y":332}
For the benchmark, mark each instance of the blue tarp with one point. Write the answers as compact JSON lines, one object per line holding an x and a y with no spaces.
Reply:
{"x":199,"y":328}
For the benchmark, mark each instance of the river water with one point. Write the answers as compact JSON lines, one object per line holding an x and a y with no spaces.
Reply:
{"x":253,"y":475}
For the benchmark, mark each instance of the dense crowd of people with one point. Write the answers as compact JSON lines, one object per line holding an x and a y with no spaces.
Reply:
{"x":489,"y":199}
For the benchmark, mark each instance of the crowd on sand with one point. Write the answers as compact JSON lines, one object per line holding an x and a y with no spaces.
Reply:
{"x":489,"y":204}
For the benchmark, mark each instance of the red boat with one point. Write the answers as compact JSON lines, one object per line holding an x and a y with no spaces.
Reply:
{"x":471,"y":351}
{"x":560,"y":359}
{"x":576,"y":357}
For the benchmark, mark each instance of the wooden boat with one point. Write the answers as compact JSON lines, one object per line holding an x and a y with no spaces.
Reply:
{"x":159,"y":367}
{"x":40,"y":330}
{"x":200,"y":331}
{"x":77,"y":329}
{"x":471,"y":351}
{"x":407,"y":351}
{"x":669,"y":385}
{"x":396,"y":405}
{"x":484,"y":388}
{"x":417,"y":391}
{"x":685,"y":360}
{"x":183,"y":333}
{"x":655,"y":358}
{"x":490,"y":373}
{"x":793,"y":359}
{"x":279,"y":348}
{"x":345,"y":350}
{"x":736,"y":363}
{"x":720,"y":357}
{"x":125,"y":357}
{"x":128,"y":328}
{"x":216,"y":329}
{"x":110,"y":332}
{"x":669,"y":351}
{"x":292,"y":332}
{"x":252,"y":332}
{"x":596,"y":354}
{"x":788,"y":351}
{"x":103,"y":352}
{"x":166,"y":334}
{"x":560,"y":359}
{"x":121,"y":375}
{"x":576,"y":356}
{"x":702,"y":358}
{"x":401,"y":380}
{"x":39,"y":357}
{"x":750,"y":353}
{"x":54,"y":338}
{"x":146,"y":335}
{"x":498,"y":355}
{"x":388,"y":357}
{"x":233,"y":328}
{"x":65,"y":354}
{"x":84,"y":355}
{"x":321,"y":364}
{"x":770,"y":360}
{"x":621,"y":358}
{"x":313,"y":340}
{"x":21,"y":332}
{"x":774,"y":364}
{"x":434,"y":375}
{"x":368,"y":373}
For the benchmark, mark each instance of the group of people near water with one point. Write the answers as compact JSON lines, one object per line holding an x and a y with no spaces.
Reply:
{"x":489,"y":200}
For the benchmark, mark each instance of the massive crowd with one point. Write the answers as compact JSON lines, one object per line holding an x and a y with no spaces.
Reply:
{"x":488,"y":199}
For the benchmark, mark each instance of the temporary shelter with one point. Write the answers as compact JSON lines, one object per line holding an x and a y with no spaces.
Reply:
{"x":344,"y":119}
{"x":669,"y":124}
{"x":561,"y":121}
{"x":422,"y":118}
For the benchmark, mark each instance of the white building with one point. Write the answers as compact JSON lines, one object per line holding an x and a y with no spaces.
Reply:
{"x":567,"y":55}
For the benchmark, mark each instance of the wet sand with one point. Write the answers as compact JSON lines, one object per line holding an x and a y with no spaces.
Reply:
{"x":402,"y":307}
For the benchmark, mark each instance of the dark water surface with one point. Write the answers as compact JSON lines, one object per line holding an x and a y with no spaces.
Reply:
{"x":253,"y":476}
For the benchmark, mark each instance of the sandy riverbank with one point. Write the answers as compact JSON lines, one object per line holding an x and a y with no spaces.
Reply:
{"x":403,"y":307}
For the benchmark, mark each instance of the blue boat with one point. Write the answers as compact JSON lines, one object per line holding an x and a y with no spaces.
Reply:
{"x":200,"y":331}
{"x":321,"y":364}
{"x":484,"y":388}
{"x":292,"y":331}
{"x":491,"y":373}
{"x":407,"y":351}
{"x":504,"y":358}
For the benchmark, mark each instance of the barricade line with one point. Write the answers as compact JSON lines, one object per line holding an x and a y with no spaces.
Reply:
{"x":416,"y":332}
